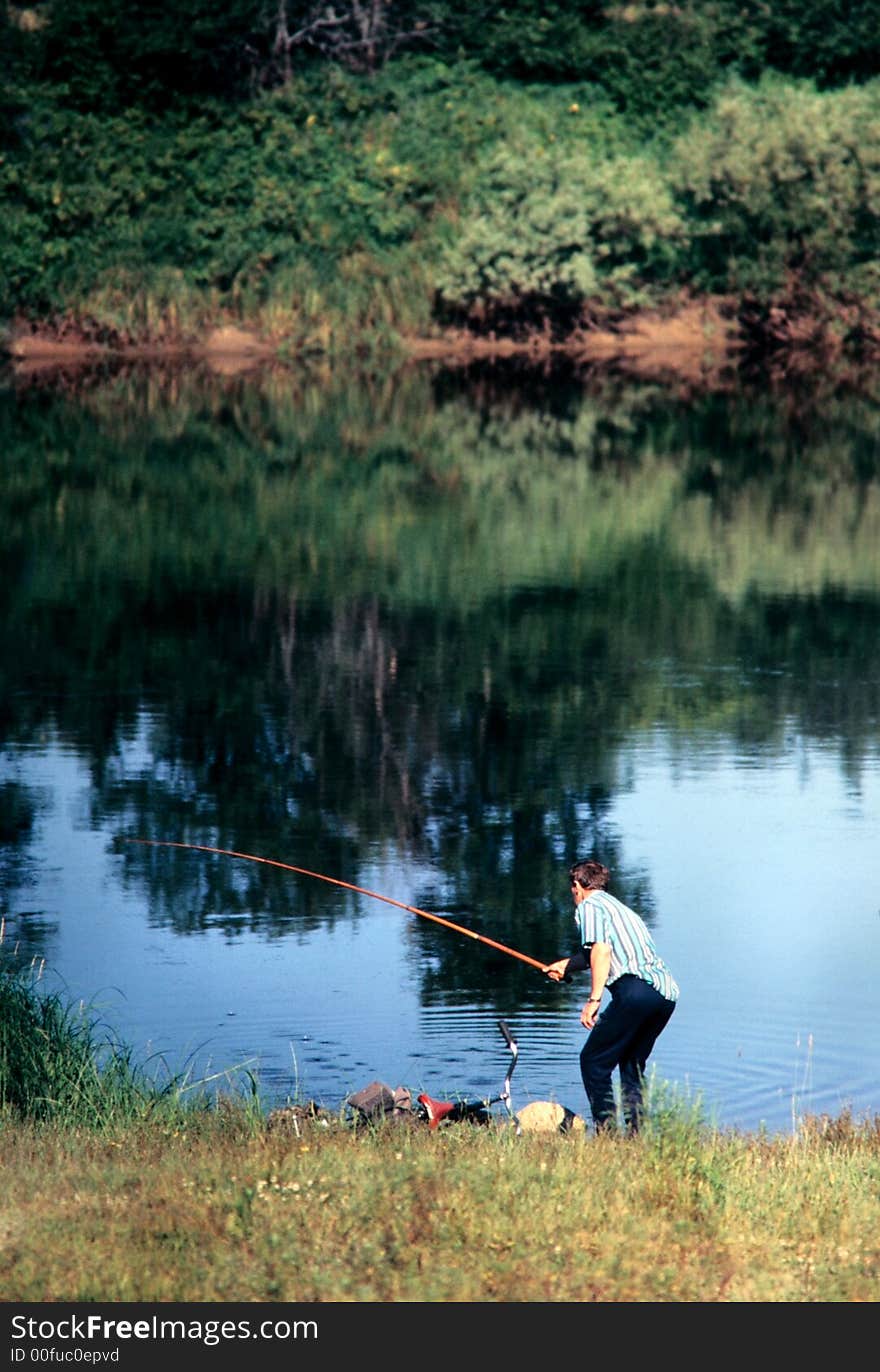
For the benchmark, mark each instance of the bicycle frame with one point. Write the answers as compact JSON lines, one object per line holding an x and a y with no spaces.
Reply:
{"x":438,"y":1112}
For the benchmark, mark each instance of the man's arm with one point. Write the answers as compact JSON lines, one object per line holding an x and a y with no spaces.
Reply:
{"x":600,"y":966}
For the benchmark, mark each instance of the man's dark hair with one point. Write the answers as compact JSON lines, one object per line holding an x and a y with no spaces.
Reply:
{"x":590,"y":873}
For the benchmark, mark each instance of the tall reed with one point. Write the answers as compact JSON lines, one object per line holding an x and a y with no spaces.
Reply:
{"x":60,"y":1063}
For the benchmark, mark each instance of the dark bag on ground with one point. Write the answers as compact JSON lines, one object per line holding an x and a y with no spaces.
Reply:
{"x":376,"y":1101}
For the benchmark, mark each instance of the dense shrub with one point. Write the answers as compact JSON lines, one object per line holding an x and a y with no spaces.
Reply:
{"x":658,"y":63}
{"x":522,"y":39}
{"x":332,"y":182}
{"x":781,"y":179}
{"x":547,"y":232}
{"x":224,"y":197}
{"x":656,"y":54}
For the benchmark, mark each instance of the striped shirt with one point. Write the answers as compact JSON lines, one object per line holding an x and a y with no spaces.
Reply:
{"x":601,"y":918}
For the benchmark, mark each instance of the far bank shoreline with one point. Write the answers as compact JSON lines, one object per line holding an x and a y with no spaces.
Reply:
{"x":698,"y":341}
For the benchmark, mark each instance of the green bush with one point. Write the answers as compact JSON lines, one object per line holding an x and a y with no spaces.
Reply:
{"x":651,"y":56}
{"x":781,"y":179}
{"x":522,"y":39}
{"x":657,"y":62}
{"x":226,"y":197}
{"x":649,"y":60}
{"x":331,"y":185}
{"x":549,"y":231}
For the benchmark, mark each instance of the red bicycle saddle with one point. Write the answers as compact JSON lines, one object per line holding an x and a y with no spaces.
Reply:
{"x":436,"y":1110}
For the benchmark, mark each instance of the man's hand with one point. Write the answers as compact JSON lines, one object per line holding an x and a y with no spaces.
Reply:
{"x":558,"y":971}
{"x":590,"y":1013}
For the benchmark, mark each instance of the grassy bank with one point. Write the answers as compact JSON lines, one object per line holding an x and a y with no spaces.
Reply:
{"x":218,"y":1209}
{"x":121,"y":1189}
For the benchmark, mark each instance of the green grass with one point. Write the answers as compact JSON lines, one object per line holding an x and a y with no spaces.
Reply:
{"x":220,"y":1209}
{"x":121,"y":1189}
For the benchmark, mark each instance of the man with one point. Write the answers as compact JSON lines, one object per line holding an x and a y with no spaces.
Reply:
{"x":620,"y":954}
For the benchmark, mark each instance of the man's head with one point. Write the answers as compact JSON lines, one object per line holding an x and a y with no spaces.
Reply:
{"x":592,"y":876}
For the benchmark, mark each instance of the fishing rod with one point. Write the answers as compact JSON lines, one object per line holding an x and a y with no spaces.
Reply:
{"x":348,"y":886}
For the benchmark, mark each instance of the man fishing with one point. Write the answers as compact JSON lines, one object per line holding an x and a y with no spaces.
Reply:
{"x":619,"y":952}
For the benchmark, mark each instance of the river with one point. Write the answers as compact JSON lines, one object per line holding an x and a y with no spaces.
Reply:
{"x":437,"y":633}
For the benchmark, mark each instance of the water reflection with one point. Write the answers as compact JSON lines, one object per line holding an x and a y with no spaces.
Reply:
{"x":424,"y":634}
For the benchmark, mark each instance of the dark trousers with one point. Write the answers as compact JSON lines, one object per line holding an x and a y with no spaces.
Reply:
{"x":623,"y":1037}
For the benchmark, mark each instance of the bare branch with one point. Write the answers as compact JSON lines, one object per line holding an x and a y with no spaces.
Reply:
{"x":361,"y":35}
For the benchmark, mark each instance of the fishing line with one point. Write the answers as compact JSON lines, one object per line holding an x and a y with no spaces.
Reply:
{"x":348,"y":886}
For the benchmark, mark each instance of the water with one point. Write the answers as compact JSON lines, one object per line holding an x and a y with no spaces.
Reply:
{"x":437,"y":636}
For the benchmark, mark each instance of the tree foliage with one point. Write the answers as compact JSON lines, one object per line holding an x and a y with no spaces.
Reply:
{"x":109,"y":57}
{"x":648,"y":57}
{"x":831,"y":43}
